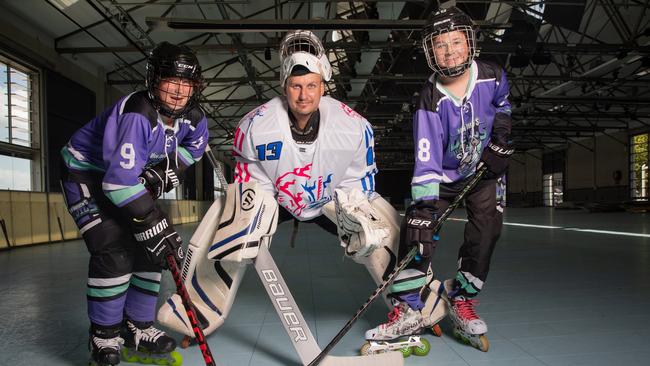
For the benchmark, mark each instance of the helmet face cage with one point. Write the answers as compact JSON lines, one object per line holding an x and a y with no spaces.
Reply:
{"x":177,"y":62}
{"x":441,"y":24}
{"x":308,"y":47}
{"x":301,"y":41}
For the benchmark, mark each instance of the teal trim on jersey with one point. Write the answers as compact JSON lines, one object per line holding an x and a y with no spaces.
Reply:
{"x":428,"y":190}
{"x":465,"y":285}
{"x":73,"y":163}
{"x":146,"y":285}
{"x":186,"y":156}
{"x":119,"y":196}
{"x":108,"y":291}
{"x":413,"y":284}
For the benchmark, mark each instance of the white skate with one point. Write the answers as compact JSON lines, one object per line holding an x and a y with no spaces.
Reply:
{"x":399,"y":333}
{"x":468,"y":326}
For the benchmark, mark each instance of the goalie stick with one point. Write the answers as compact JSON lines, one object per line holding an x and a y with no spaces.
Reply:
{"x":481,"y":169}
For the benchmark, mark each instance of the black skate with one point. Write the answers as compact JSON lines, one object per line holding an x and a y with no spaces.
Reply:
{"x":143,"y":343}
{"x":104,"y":344}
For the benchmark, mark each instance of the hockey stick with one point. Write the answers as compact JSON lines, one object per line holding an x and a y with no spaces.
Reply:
{"x":191,"y":313}
{"x":481,"y":169}
{"x":292,"y":319}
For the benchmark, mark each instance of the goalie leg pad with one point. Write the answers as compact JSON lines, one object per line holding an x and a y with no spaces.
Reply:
{"x":379,"y":262}
{"x":249,"y":216}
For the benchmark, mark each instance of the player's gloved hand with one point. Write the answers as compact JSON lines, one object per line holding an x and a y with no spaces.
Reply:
{"x":359,"y":227}
{"x":160,"y":178}
{"x":496,"y":156}
{"x":156,"y":233}
{"x":420,"y":220}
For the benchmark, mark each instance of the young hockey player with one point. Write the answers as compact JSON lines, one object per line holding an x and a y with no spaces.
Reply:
{"x":116,"y":166}
{"x":463,"y":118}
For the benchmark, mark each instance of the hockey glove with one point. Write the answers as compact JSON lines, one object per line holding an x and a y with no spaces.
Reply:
{"x":161,"y":178}
{"x":360,"y":228}
{"x":420,"y":220}
{"x":496,"y":156}
{"x":156,"y":233}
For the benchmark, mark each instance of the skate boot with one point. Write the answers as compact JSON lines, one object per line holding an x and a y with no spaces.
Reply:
{"x":468,"y":326}
{"x":143,"y":343}
{"x":400,"y":333}
{"x":104,"y":344}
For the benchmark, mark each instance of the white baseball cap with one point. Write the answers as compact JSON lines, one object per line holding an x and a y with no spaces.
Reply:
{"x":301,"y":63}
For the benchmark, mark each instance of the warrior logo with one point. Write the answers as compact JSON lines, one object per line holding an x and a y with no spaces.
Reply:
{"x":247,"y":199}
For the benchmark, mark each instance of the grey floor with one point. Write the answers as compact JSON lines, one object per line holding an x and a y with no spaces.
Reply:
{"x":556,"y":296}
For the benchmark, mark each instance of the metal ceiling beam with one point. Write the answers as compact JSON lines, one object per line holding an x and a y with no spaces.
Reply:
{"x":484,"y":48}
{"x":275,"y":25}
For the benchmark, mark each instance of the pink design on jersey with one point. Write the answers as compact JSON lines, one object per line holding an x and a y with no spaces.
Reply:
{"x":238,"y":140}
{"x":349,"y":111}
{"x":293,"y":202}
{"x":242,"y":175}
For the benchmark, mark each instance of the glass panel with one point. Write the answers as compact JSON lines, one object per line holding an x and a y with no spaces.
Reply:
{"x":4,"y":103}
{"x":15,"y":173}
{"x":20,"y":108}
{"x":547,"y":189}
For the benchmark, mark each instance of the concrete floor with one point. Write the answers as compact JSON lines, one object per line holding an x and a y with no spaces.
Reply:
{"x":556,"y":295}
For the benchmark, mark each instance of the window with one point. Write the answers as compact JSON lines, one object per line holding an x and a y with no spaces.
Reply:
{"x":19,"y":145}
{"x":639,"y":161}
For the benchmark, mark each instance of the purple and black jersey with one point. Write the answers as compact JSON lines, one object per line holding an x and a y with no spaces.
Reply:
{"x":129,"y":136}
{"x":450,"y":133}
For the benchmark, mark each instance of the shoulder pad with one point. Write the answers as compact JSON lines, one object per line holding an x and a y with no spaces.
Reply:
{"x":195,"y":115}
{"x":489,"y":70}
{"x":429,"y":97}
{"x":139,"y":103}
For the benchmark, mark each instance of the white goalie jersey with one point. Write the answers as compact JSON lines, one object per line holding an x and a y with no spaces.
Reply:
{"x":303,"y":177}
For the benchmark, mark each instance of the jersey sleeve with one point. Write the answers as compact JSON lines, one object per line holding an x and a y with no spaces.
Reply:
{"x":125,"y":153}
{"x":361,"y":172}
{"x":429,"y":149}
{"x":192,"y":146}
{"x":247,"y":164}
{"x":502,"y":119}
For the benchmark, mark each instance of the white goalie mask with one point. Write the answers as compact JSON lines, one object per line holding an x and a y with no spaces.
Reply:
{"x":303,"y":48}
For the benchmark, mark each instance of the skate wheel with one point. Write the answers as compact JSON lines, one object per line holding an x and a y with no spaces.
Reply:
{"x":437,"y":331}
{"x":177,"y":359}
{"x":147,"y":360}
{"x":422,"y":350}
{"x":365,"y":349}
{"x":187,"y":340}
{"x":126,"y":356}
{"x":484,"y":343}
{"x":406,"y":351}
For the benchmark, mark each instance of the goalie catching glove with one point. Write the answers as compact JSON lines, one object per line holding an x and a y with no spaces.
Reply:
{"x":360,"y":228}
{"x":156,"y":233}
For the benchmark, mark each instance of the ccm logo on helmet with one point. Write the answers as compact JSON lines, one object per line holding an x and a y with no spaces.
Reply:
{"x":185,"y":66}
{"x":419,"y":222}
{"x":150,"y":233}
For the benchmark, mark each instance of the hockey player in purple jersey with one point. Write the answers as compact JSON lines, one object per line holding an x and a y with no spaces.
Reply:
{"x":463,"y":118}
{"x":115,"y":167}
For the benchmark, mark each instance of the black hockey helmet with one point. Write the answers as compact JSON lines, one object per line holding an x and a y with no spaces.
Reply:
{"x":167,"y":60}
{"x":445,"y":21}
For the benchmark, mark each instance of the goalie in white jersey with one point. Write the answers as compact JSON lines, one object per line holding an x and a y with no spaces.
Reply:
{"x":312,"y":154}
{"x":310,"y":150}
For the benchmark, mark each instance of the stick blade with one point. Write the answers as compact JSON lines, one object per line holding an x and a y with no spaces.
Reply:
{"x":380,"y":359}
